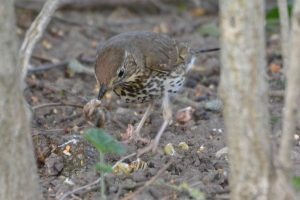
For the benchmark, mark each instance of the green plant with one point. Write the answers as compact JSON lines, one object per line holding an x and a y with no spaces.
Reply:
{"x":272,"y":17}
{"x":296,"y":183}
{"x":104,"y":144}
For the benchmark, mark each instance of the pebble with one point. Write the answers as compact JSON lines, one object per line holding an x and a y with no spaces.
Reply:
{"x":214,"y":105}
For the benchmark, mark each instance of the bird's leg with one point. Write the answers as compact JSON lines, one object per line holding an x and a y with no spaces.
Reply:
{"x":167,"y":114}
{"x":136,"y":133}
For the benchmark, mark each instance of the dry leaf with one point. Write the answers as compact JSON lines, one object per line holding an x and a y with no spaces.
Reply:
{"x":138,"y":165}
{"x":275,"y":68}
{"x":57,"y":32}
{"x":121,"y":168}
{"x":34,"y":99}
{"x":198,"y":90}
{"x":67,"y":150}
{"x":46,"y":44}
{"x":128,"y":134}
{"x":197,"y":12}
{"x":184,"y":115}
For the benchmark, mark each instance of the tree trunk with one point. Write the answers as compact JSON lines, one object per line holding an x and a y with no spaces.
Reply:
{"x":18,"y":173}
{"x":244,"y":91}
{"x":282,"y":178}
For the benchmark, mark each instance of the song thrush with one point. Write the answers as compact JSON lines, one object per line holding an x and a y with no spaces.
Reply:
{"x":143,"y":67}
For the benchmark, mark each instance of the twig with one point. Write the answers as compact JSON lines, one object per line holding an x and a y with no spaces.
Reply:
{"x":124,"y":158}
{"x":222,"y":196}
{"x":148,"y":183}
{"x":75,"y":197}
{"x":88,"y":186}
{"x":34,"y":108}
{"x":80,"y":188}
{"x":189,"y":102}
{"x":47,"y":66}
{"x":92,"y":4}
{"x":34,"y":33}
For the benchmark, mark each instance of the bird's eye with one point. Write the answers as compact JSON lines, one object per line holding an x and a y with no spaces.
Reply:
{"x":121,"y":72}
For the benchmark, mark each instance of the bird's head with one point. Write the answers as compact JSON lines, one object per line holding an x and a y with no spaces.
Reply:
{"x":113,"y":67}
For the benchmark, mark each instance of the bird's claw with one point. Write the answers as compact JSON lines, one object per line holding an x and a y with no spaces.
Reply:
{"x":133,"y":135}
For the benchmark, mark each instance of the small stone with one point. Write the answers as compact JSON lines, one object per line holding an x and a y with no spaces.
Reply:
{"x":201,"y":149}
{"x":191,"y":83}
{"x":200,"y":114}
{"x":222,"y":152}
{"x":214,"y":105}
{"x":139,"y":176}
{"x":54,"y":164}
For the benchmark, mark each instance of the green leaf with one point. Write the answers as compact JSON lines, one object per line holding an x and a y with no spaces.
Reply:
{"x":104,"y":168}
{"x":182,"y":7}
{"x":273,"y":14}
{"x":296,"y":183}
{"x":103,"y":142}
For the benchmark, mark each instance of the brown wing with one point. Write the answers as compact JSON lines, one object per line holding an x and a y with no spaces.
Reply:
{"x":152,"y":50}
{"x":159,"y":51}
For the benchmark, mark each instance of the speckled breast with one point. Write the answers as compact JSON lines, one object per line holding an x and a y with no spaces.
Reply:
{"x":151,"y":85}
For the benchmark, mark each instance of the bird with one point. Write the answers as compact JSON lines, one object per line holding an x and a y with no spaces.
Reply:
{"x":144,"y":67}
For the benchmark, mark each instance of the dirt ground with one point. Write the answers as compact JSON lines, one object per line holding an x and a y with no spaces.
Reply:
{"x":73,"y":36}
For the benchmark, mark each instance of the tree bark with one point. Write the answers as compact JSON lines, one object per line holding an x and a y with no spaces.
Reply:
{"x":282,"y":178}
{"x":18,"y":173}
{"x":244,"y":91}
{"x":284,"y":31}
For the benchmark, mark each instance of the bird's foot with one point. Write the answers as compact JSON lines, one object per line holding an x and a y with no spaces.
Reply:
{"x":133,"y":135}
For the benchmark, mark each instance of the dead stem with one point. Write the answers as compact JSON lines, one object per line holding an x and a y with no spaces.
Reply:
{"x":34,"y":108}
{"x":148,"y":183}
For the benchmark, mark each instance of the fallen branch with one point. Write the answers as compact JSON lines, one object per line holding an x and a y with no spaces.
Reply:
{"x":34,"y":33}
{"x":46,"y":67}
{"x":87,"y":187}
{"x":95,"y":4}
{"x":34,"y":108}
{"x":148,"y":183}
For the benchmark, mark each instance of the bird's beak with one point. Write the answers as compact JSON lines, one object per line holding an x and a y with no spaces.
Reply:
{"x":102,"y":91}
